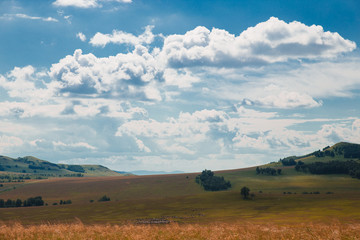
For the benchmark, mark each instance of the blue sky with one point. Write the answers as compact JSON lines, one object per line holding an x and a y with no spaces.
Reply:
{"x":177,"y":85}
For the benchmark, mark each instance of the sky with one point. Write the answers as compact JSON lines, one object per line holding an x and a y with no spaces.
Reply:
{"x":165,"y":85}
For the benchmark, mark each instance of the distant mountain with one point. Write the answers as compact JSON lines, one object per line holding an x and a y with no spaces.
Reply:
{"x":33,"y":166}
{"x":145,"y":172}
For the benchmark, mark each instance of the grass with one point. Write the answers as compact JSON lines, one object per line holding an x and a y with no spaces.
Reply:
{"x":178,"y":199}
{"x":238,"y":230}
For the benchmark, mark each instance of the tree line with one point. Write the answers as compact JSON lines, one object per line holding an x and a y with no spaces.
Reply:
{"x":268,"y":171}
{"x":349,"y":167}
{"x":32,"y":201}
{"x":212,"y":183}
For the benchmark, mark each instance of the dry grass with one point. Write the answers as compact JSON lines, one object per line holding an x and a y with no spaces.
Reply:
{"x":239,"y":230}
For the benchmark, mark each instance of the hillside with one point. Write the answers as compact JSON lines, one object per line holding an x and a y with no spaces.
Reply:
{"x":32,"y":167}
{"x":290,"y":197}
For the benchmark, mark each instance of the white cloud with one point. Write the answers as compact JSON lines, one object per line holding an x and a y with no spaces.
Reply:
{"x":85,"y":3}
{"x":124,"y":75}
{"x":334,"y":133}
{"x":244,"y":130}
{"x":268,"y":42}
{"x":142,"y":146}
{"x":77,"y":3}
{"x":81,"y":36}
{"x":25,"y":16}
{"x":24,"y":83}
{"x":7,"y":142}
{"x":285,"y":99}
{"x":120,"y":37}
{"x":181,"y":78}
{"x":73,"y":146}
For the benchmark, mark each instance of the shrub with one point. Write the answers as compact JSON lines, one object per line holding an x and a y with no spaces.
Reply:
{"x":104,"y":199}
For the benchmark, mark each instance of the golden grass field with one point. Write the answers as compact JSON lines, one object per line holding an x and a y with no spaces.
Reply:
{"x":238,"y":230}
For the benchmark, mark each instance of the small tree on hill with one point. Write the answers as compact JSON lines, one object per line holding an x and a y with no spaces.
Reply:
{"x":245,"y":191}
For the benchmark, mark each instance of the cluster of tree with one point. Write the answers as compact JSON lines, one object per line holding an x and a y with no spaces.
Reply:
{"x":13,"y":177}
{"x":324,"y":153}
{"x":350,"y":150}
{"x":73,"y":175}
{"x":288,"y":161}
{"x":65,"y":202}
{"x":33,"y":201}
{"x":36,"y":167}
{"x":104,"y":199}
{"x":350,"y":167}
{"x":210,"y":182}
{"x":268,"y":171}
{"x":76,"y":168}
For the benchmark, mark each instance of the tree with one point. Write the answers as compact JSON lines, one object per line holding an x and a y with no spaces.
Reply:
{"x":9,"y":203}
{"x":104,"y":199}
{"x":212,"y":183}
{"x":279,"y":171}
{"x":18,"y":203}
{"x":245,"y":191}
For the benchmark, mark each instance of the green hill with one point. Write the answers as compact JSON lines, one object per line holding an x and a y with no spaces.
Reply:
{"x":32,"y":167}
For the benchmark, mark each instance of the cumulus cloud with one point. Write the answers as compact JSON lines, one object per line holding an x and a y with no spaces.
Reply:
{"x":85,"y":3}
{"x":124,"y":75}
{"x":268,"y":42}
{"x":25,"y":83}
{"x":341,"y":132}
{"x":81,"y":36}
{"x":25,"y":16}
{"x":120,"y":37}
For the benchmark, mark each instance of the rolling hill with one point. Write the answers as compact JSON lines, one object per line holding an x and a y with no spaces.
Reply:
{"x":33,"y":167}
{"x":290,"y":197}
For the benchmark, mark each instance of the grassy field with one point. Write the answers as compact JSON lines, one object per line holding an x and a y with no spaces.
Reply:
{"x":177,"y":198}
{"x":238,"y":230}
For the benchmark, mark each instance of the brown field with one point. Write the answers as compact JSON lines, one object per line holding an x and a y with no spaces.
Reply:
{"x":238,"y":230}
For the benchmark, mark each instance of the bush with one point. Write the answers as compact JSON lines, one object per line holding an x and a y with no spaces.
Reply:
{"x":104,"y":199}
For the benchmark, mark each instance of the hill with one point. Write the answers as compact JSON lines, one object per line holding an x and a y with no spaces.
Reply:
{"x":32,"y":167}
{"x":290,"y":197}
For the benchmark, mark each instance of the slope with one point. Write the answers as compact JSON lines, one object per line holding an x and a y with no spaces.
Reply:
{"x":32,"y":167}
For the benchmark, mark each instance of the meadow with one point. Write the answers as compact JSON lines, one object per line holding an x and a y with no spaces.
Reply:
{"x":290,"y":197}
{"x":292,"y":205}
